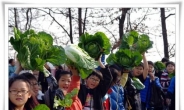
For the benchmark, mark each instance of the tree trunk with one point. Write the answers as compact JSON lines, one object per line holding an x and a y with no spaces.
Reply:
{"x":15,"y":15}
{"x":80,"y":21}
{"x":121,"y":21}
{"x":70,"y":23}
{"x":164,"y":33}
{"x":84,"y":24}
{"x":121,"y":27}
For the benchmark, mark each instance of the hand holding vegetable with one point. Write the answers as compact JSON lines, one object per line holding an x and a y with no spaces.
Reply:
{"x":18,"y":67}
{"x":100,"y":62}
{"x":74,"y":70}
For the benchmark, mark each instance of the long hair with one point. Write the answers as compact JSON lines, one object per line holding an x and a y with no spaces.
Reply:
{"x":31,"y":102}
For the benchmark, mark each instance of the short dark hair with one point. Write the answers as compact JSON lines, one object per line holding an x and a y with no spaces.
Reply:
{"x":165,"y":59}
{"x":60,"y":73}
{"x":10,"y":61}
{"x":170,"y":62}
{"x":141,"y":65}
{"x":29,"y":76}
{"x":96,"y":73}
{"x":150,"y":63}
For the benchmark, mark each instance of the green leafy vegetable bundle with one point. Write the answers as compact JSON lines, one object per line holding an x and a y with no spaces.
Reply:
{"x":35,"y":49}
{"x":137,"y":83}
{"x":125,"y":58}
{"x":79,"y":58}
{"x":159,"y":66}
{"x":41,"y":107}
{"x":95,"y":44}
{"x":137,"y":42}
{"x":67,"y":101}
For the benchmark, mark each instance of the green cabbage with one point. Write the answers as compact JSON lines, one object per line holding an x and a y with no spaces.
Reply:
{"x":159,"y":66}
{"x":125,"y":57}
{"x":95,"y":44}
{"x":136,"y":42}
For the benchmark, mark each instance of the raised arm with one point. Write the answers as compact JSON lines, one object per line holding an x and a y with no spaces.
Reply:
{"x":100,"y":62}
{"x":145,"y":71}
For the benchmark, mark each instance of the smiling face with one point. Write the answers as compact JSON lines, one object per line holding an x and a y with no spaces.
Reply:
{"x":170,"y":68}
{"x":35,"y":86}
{"x":92,"y":82}
{"x":64,"y":82}
{"x":138,"y":70}
{"x":19,"y":93}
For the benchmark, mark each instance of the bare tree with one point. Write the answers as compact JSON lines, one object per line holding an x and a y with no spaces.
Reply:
{"x":164,"y":32}
{"x":80,"y":21}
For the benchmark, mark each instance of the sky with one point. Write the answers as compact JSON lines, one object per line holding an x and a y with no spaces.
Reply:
{"x":4,"y":39}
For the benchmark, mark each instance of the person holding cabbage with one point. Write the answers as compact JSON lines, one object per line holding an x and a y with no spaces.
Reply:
{"x":96,"y":86}
{"x":138,"y":75}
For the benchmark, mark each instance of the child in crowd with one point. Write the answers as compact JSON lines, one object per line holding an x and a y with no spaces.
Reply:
{"x":114,"y":99}
{"x":11,"y":67}
{"x":20,"y":94}
{"x":35,"y":87}
{"x":170,"y":96}
{"x":96,"y":86}
{"x":67,"y":81}
{"x":167,"y":75}
{"x":132,"y":94}
{"x":146,"y":92}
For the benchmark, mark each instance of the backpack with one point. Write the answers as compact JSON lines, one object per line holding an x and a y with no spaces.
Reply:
{"x":157,"y":98}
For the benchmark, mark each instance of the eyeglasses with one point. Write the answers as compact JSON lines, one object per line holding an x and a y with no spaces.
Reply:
{"x":15,"y":92}
{"x":95,"y":80}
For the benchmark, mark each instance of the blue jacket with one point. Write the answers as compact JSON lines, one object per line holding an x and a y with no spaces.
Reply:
{"x":11,"y":70}
{"x":116,"y":97}
{"x":146,"y":92}
{"x":171,"y":87}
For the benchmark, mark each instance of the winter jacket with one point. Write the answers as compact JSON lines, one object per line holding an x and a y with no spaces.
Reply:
{"x":76,"y":104}
{"x":146,"y":92}
{"x":116,"y":97}
{"x":11,"y":69}
{"x":171,"y":93}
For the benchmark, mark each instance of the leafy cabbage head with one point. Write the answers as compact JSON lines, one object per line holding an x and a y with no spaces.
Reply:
{"x":95,"y":44}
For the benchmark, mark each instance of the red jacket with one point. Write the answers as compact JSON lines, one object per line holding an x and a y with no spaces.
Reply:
{"x":75,"y":83}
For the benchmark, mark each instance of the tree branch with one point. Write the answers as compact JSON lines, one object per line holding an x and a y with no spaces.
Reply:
{"x":54,"y":20}
{"x":169,"y":15}
{"x":141,"y":20}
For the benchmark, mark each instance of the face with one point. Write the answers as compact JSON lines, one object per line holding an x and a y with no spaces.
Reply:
{"x":64,"y":82}
{"x":92,"y":82}
{"x":151,"y":68}
{"x":19,"y":93}
{"x":34,"y":86}
{"x":138,"y":70}
{"x":13,"y":63}
{"x":170,"y":68}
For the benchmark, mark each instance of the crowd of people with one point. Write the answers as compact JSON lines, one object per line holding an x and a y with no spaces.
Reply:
{"x":101,"y":90}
